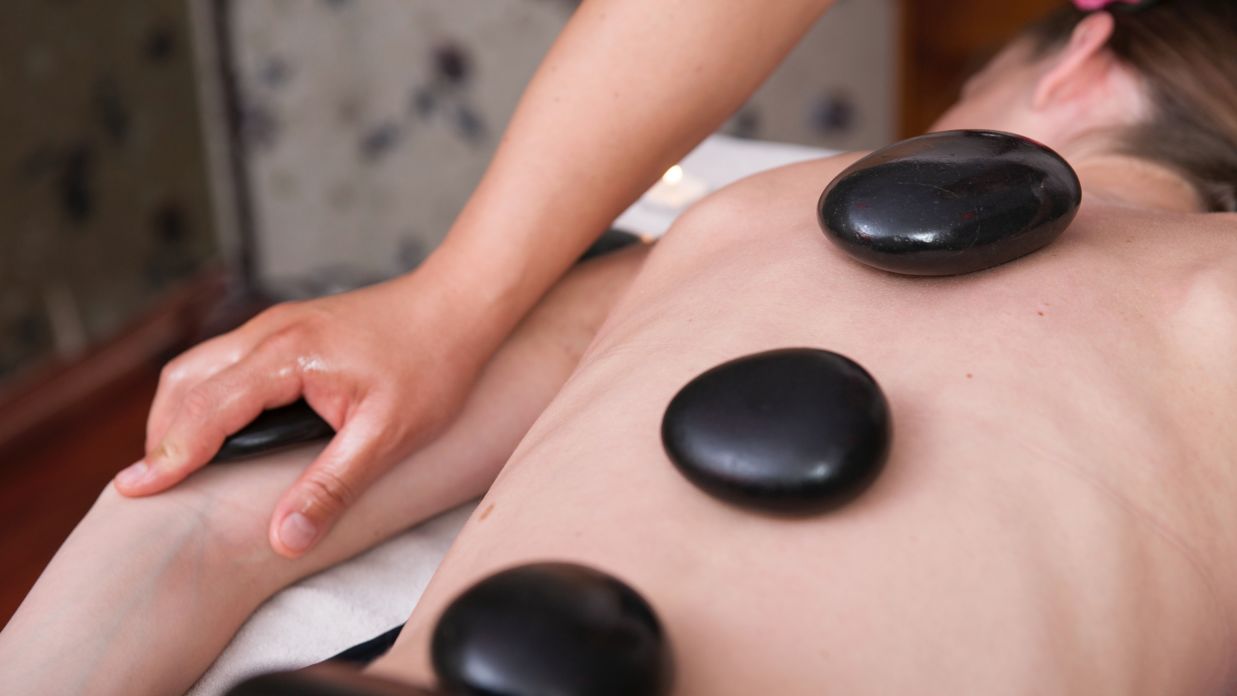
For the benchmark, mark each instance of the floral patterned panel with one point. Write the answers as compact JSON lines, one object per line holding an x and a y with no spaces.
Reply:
{"x":367,"y":123}
{"x":104,"y":202}
{"x":364,"y":126}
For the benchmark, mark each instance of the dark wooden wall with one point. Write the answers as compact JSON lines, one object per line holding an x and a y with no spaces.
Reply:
{"x":945,"y":40}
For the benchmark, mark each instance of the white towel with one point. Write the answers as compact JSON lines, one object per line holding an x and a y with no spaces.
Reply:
{"x":718,"y":161}
{"x":325,"y":614}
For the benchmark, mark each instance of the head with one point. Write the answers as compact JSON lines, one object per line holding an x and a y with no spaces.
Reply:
{"x":1157,"y":83}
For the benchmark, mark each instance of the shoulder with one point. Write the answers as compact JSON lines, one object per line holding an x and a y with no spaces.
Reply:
{"x":792,"y":180}
{"x":1180,"y":266}
{"x":768,"y":195}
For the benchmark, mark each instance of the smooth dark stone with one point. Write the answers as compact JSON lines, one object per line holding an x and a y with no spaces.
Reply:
{"x":610,"y":241}
{"x":276,"y":429}
{"x":950,"y":203}
{"x":551,"y":628}
{"x":366,"y":652}
{"x":323,"y":680}
{"x":797,"y":430}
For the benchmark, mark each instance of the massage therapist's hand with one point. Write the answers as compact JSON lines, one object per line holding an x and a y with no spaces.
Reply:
{"x":389,"y":365}
{"x":386,"y":366}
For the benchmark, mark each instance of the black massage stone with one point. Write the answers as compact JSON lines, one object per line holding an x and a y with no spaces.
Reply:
{"x":950,"y":203}
{"x":795,"y":431}
{"x":276,"y":429}
{"x":611,"y":241}
{"x":550,"y":628}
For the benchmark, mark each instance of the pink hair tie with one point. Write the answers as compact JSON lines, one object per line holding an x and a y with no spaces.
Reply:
{"x":1093,"y":5}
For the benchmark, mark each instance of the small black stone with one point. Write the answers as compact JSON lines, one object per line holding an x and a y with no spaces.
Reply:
{"x":366,"y":652}
{"x":276,"y":429}
{"x":797,"y":430}
{"x":950,"y":203}
{"x":609,"y":242}
{"x":551,"y":628}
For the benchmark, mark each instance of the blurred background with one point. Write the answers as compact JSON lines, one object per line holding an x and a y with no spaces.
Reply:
{"x":170,"y":167}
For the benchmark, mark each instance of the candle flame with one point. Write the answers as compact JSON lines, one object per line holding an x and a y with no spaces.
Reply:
{"x":673,"y":175}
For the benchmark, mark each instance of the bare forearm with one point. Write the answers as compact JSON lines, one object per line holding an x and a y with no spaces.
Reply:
{"x":146,"y":592}
{"x":629,"y":87}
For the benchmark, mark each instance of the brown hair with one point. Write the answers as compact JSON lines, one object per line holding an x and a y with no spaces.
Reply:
{"x":1186,"y":53}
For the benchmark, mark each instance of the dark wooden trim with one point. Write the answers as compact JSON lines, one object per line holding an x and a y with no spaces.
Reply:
{"x":212,"y":301}
{"x":52,"y":392}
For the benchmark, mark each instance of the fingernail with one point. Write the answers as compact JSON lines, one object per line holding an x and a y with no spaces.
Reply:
{"x":297,"y":532}
{"x":133,"y":475}
{"x":165,"y":455}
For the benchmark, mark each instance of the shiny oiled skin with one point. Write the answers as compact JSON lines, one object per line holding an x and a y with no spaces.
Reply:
{"x":297,"y":423}
{"x":1056,"y":513}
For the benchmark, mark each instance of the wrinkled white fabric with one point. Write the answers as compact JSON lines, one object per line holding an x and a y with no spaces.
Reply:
{"x":328,"y":613}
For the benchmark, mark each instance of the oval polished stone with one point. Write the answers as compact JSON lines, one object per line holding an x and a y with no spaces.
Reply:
{"x":275,"y":429}
{"x":950,"y":203}
{"x":551,"y":628}
{"x":796,"y":430}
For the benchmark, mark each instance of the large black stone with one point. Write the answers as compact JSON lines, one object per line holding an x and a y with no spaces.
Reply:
{"x":796,"y":430}
{"x":551,"y":628}
{"x":949,"y":203}
{"x":275,"y":429}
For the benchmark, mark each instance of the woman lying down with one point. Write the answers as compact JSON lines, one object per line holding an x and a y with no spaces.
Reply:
{"x":1055,"y":510}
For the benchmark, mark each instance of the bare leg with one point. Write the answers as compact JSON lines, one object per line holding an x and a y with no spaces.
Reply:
{"x":146,"y":592}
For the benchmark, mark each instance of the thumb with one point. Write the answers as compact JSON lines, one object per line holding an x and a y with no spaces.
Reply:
{"x":335,"y":480}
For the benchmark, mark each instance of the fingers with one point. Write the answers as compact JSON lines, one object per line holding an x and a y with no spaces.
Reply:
{"x":353,"y":460}
{"x":204,"y":361}
{"x":189,"y":369}
{"x":209,"y":412}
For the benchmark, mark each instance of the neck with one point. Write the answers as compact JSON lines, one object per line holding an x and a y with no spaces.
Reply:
{"x":1133,"y":182}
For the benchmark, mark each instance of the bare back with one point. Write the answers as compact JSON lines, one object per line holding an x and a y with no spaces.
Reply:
{"x":1056,"y":516}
